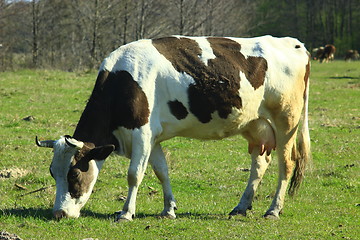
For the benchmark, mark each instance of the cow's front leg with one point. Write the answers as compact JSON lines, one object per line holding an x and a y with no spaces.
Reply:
{"x":258,"y":167}
{"x":139,"y":160}
{"x":159,"y":165}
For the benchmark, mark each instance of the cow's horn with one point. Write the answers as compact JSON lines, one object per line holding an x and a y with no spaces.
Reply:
{"x":46,"y":143}
{"x":73,"y":142}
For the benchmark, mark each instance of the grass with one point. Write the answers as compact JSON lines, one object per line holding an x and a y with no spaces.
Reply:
{"x":208,"y":177}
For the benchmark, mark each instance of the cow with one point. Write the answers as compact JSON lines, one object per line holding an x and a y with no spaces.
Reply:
{"x":351,"y":55}
{"x":328,"y":53}
{"x":317,"y":53}
{"x":151,"y":90}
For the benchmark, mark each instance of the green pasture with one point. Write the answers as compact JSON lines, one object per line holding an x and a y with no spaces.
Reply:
{"x":208,"y":177}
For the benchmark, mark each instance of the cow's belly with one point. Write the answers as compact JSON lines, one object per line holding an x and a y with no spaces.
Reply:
{"x":217,"y":128}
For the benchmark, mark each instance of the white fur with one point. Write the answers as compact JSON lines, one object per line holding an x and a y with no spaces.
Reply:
{"x":207,"y":52}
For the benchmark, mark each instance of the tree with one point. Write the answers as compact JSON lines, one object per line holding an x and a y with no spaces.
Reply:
{"x":78,"y":34}
{"x":35,"y":30}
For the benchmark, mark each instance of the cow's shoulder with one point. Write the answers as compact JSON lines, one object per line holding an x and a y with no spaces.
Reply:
{"x":119,"y":99}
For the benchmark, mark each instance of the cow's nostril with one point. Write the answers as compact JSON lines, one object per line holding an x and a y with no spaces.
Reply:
{"x":59,"y":214}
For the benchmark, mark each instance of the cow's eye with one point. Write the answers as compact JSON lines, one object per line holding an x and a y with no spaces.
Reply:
{"x":74,"y":173}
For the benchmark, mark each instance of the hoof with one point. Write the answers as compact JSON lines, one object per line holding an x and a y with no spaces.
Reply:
{"x":123,"y":217}
{"x":120,"y":219}
{"x":271,"y":216}
{"x":235,"y":212}
{"x":168,"y":216}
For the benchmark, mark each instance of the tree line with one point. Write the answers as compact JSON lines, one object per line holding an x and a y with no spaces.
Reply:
{"x":77,"y":34}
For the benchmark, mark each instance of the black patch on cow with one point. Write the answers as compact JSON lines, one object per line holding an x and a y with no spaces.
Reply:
{"x":217,"y":85}
{"x":257,"y":50}
{"x":287,"y":71}
{"x":116,"y":101}
{"x":178,"y":109}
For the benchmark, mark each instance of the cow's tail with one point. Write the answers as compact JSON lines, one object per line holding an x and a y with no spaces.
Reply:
{"x":301,"y":152}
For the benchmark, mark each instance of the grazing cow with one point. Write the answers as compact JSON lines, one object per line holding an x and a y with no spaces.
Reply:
{"x":317,"y":53}
{"x":328,"y":53}
{"x":351,"y":55}
{"x":149,"y":91}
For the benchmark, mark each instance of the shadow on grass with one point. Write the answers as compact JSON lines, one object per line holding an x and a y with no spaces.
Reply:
{"x":209,"y":216}
{"x":197,"y":216}
{"x":88,"y":213}
{"x":39,"y":213}
{"x":46,"y":214}
{"x":344,"y":77}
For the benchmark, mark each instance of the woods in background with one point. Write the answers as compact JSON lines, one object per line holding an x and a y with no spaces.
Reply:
{"x":77,"y":34}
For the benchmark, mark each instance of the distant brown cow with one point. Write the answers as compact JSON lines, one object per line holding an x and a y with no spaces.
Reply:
{"x":328,"y":53}
{"x":351,"y":55}
{"x":317,"y":53}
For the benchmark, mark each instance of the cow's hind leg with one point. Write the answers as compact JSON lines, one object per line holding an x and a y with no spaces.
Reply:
{"x":287,"y":125}
{"x":258,"y":167}
{"x":284,"y":151}
{"x":159,"y":165}
{"x":261,"y":138}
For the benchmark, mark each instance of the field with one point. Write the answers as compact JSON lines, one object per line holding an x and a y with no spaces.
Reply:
{"x":208,"y":177}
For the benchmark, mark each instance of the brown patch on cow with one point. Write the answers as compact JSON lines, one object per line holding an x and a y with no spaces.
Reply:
{"x":116,"y":101}
{"x":178,"y":109}
{"x":217,"y":85}
{"x":229,"y":57}
{"x":80,"y":174}
{"x":130,"y":105}
{"x":255,"y":71}
{"x":306,"y":76}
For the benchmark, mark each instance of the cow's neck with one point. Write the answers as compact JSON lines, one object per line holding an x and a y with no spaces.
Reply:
{"x":94,"y":126}
{"x":95,"y":122}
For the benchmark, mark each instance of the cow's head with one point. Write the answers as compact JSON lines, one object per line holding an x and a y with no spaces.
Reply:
{"x":75,"y":167}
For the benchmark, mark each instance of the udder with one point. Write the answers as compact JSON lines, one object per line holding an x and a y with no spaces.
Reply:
{"x":260,"y":136}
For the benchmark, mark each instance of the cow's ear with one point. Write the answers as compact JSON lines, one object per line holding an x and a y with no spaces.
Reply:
{"x":102,"y":152}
